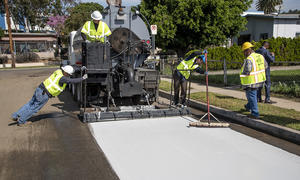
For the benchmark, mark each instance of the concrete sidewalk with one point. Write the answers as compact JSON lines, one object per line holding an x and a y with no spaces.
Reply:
{"x":197,"y":87}
{"x":32,"y":64}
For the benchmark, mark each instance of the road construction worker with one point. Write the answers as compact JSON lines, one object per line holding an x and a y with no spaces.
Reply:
{"x":252,"y":77}
{"x":51,"y":87}
{"x":95,"y":30}
{"x":191,"y":63}
{"x":269,"y":57}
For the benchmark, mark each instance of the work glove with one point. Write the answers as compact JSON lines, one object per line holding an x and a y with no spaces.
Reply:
{"x":85,"y":76}
{"x":83,"y":68}
{"x":205,"y":51}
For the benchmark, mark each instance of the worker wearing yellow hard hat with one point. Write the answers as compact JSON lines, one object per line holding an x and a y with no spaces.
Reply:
{"x":252,"y":77}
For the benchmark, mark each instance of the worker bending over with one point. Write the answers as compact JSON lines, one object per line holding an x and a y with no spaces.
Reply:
{"x":252,"y":77}
{"x":95,"y":30}
{"x":183,"y":72}
{"x":51,"y":87}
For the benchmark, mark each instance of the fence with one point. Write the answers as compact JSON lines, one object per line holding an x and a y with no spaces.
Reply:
{"x":166,"y":65}
{"x":25,"y":46}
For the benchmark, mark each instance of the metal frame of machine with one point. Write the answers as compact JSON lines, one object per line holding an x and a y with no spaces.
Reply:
{"x":121,"y":85}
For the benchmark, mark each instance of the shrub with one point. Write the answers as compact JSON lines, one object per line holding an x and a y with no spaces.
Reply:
{"x":285,"y":49}
{"x":27,"y":57}
{"x":291,"y":89}
{"x":3,"y":59}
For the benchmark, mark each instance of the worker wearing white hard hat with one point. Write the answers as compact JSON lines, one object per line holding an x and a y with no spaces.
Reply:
{"x":95,"y":30}
{"x":51,"y":87}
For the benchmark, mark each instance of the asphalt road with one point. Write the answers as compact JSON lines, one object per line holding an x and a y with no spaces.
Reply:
{"x":56,"y":145}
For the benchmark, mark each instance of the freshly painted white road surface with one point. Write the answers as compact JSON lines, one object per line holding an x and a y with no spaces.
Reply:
{"x":166,"y":149}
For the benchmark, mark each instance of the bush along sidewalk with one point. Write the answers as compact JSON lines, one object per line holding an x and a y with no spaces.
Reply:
{"x":285,"y":49}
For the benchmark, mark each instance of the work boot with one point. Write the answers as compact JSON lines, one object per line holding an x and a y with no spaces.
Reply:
{"x":245,"y":106}
{"x":14,"y":119}
{"x":24,"y":124}
{"x":269,"y":101}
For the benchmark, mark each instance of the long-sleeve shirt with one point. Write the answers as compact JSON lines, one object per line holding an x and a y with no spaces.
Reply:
{"x":198,"y":70}
{"x":69,"y":80}
{"x":266,"y":54}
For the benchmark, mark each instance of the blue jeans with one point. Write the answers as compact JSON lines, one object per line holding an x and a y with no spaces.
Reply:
{"x":38,"y":100}
{"x":251,"y":95}
{"x":267,"y":85}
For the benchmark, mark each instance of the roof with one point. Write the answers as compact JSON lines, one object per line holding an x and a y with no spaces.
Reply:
{"x":275,"y":16}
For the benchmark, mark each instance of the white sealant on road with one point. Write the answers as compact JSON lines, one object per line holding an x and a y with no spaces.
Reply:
{"x":167,"y":149}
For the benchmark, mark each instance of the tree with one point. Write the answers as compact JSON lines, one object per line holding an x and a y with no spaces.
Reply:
{"x":295,"y":11}
{"x":79,"y":15}
{"x":35,"y":12}
{"x":57,"y":22}
{"x":183,"y":25}
{"x":268,"y":6}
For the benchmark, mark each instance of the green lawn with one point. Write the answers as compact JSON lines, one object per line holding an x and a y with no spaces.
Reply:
{"x":268,"y":112}
{"x":284,"y":83}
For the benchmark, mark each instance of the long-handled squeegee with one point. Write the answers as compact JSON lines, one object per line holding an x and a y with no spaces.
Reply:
{"x":208,"y":114}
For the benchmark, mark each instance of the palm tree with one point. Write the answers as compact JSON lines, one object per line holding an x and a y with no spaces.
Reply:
{"x":268,"y":6}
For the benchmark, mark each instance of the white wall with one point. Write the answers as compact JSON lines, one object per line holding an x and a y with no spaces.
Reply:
{"x":257,"y":25}
{"x":286,"y":28}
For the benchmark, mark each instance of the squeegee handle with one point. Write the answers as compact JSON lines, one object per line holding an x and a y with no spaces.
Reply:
{"x":206,"y":78}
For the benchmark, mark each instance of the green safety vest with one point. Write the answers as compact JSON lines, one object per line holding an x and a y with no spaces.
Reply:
{"x":187,"y":65}
{"x":95,"y":35}
{"x":52,"y":83}
{"x":257,"y":74}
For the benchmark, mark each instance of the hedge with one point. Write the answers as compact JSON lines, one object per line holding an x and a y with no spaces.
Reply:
{"x":285,"y":49}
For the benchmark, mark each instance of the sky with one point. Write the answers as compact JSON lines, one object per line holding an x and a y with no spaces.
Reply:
{"x":287,"y":4}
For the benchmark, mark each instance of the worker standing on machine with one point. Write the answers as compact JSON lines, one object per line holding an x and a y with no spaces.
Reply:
{"x":252,"y":77}
{"x":51,"y":87}
{"x":183,"y":72}
{"x":95,"y":30}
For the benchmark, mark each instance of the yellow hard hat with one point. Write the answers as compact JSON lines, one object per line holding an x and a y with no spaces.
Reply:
{"x":246,"y":45}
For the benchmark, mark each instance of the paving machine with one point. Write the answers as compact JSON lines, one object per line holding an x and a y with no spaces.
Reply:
{"x":122,"y":83}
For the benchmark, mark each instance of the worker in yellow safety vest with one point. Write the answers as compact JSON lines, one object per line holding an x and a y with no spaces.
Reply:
{"x":183,"y":72}
{"x":95,"y":30}
{"x":51,"y":87}
{"x":252,"y":77}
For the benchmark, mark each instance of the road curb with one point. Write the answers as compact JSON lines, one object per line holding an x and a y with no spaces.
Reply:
{"x":270,"y":128}
{"x":32,"y":64}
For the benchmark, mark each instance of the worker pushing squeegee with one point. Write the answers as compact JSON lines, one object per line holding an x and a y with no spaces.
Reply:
{"x":183,"y":72}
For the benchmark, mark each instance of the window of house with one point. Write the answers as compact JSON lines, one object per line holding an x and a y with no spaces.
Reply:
{"x":244,"y":38}
{"x":297,"y":34}
{"x":263,"y":36}
{"x":298,"y":22}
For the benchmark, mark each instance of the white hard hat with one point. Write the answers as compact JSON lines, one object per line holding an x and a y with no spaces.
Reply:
{"x":96,"y":15}
{"x":68,"y":69}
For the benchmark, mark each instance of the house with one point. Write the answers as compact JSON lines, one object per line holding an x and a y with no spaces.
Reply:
{"x":25,"y":41}
{"x":17,"y":27}
{"x":264,"y":26}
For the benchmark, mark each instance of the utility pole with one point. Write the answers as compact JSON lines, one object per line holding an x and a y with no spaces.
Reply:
{"x":13,"y":63}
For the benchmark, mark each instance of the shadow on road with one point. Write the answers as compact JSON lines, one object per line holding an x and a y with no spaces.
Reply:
{"x":66,"y":102}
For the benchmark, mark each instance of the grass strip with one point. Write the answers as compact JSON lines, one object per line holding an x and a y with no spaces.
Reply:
{"x":269,"y":113}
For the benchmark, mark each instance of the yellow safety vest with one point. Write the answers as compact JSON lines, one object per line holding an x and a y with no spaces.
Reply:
{"x":52,"y":83}
{"x":257,"y":74}
{"x":95,"y":35}
{"x":187,"y":65}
